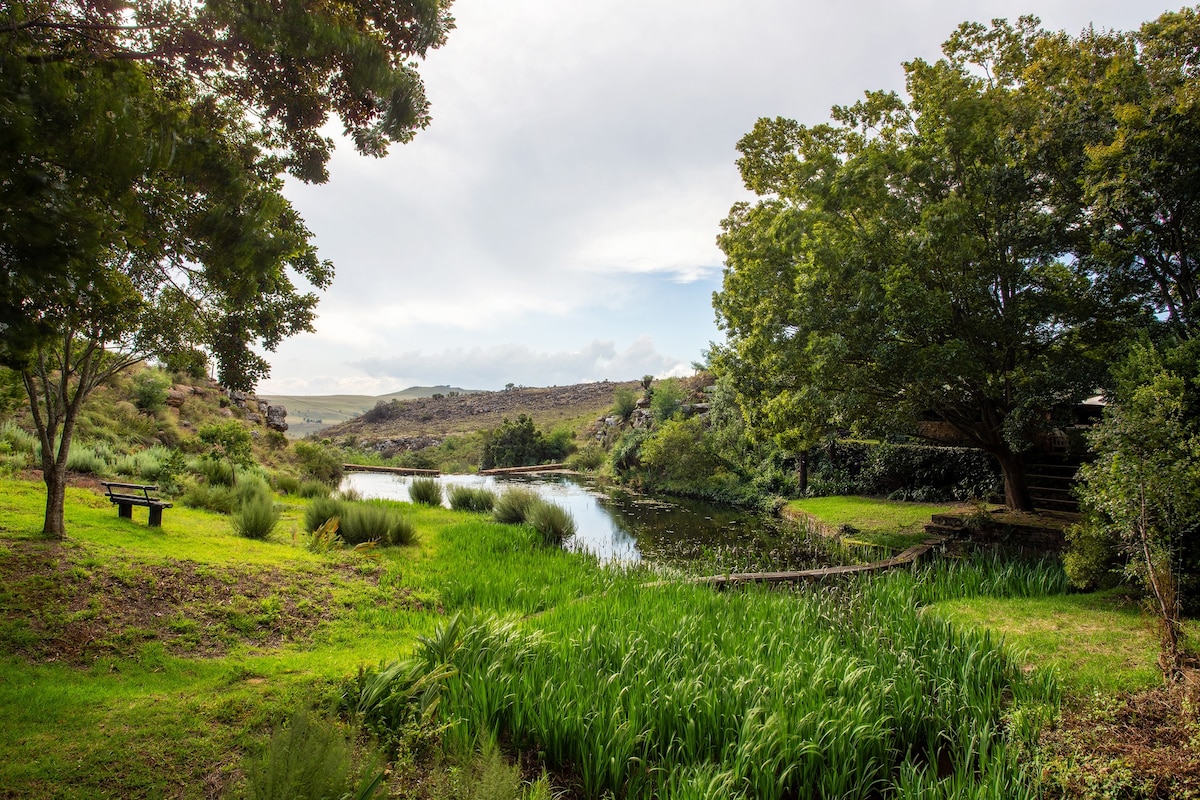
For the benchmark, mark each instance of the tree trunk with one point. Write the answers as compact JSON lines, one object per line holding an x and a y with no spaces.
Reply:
{"x":56,"y":489}
{"x":802,"y":471}
{"x":1016,"y":486}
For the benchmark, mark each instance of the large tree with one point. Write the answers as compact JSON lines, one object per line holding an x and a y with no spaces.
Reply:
{"x":141,"y":159}
{"x":916,"y":254}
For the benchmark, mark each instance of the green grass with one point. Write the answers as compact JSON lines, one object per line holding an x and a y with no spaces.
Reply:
{"x":867,"y":520}
{"x":581,"y":663}
{"x":1100,"y":642}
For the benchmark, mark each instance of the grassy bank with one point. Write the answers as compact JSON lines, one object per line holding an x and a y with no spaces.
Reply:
{"x":157,"y":662}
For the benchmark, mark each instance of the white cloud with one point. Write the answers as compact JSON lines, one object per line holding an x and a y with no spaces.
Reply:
{"x":495,"y":366}
{"x":579,"y":153}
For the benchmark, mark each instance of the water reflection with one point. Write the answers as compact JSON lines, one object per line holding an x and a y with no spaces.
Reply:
{"x":615,"y":524}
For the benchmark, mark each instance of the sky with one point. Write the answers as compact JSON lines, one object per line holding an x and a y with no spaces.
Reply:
{"x":556,"y":223}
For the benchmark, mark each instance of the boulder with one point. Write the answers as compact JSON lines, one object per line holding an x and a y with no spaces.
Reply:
{"x":277,"y":418}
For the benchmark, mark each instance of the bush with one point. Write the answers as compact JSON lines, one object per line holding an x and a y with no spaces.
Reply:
{"x":209,"y":497}
{"x":680,"y":451}
{"x":513,"y":506}
{"x":320,"y":511}
{"x":666,"y":400}
{"x":624,"y":402}
{"x":287,"y":484}
{"x":923,"y":473}
{"x":372,"y":521}
{"x":215,"y":473}
{"x":188,"y":363}
{"x":553,"y":523}
{"x":256,"y":516}
{"x":150,"y":391}
{"x":319,"y":462}
{"x":314,"y":489}
{"x":587,"y":459}
{"x":472,"y":498}
{"x":425,"y":491}
{"x":306,"y":760}
{"x":252,"y":488}
{"x":86,"y":459}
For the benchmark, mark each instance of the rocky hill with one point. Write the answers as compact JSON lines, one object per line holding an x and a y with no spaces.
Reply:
{"x":409,"y":421}
{"x":308,"y":414}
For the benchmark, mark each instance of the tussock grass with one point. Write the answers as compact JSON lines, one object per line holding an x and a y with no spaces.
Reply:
{"x":425,"y":491}
{"x":513,"y":506}
{"x":472,"y":498}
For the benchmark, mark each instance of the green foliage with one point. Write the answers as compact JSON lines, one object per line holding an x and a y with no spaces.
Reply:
{"x":254,"y":515}
{"x":513,"y":506}
{"x":587,"y":459}
{"x":228,"y":441}
{"x":307,"y":759}
{"x":1141,"y":493}
{"x":150,"y":390}
{"x":314,"y":489}
{"x":667,"y":398}
{"x":680,"y":451}
{"x":880,"y":275}
{"x":189,"y":363}
{"x":286,"y":484}
{"x":472,"y":498}
{"x":916,"y":473}
{"x":360,"y":522}
{"x":319,"y":462}
{"x":86,"y":459}
{"x":215,"y":473}
{"x":425,"y":491}
{"x":624,"y":402}
{"x":520,"y":444}
{"x":553,"y":523}
{"x":209,"y":496}
{"x":626,"y":454}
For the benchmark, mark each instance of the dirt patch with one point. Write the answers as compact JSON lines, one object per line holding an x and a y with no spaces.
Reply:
{"x":57,"y":604}
{"x":1145,"y":745}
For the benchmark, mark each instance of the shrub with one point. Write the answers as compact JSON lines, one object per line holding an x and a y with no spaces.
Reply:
{"x":680,"y":451}
{"x":86,"y":459}
{"x":666,"y":400}
{"x":319,"y":462}
{"x":472,"y":498}
{"x":255,"y":517}
{"x":150,"y":391}
{"x":14,"y":439}
{"x":306,"y":760}
{"x":374,"y":521}
{"x":514,"y":444}
{"x":252,"y":488}
{"x":314,"y":489}
{"x":923,"y":473}
{"x":210,"y":497}
{"x":321,"y":510}
{"x":188,"y":363}
{"x":587,"y":459}
{"x":624,"y":402}
{"x":513,"y":506}
{"x":425,"y":491}
{"x":287,"y":484}
{"x":215,"y":473}
{"x":552,"y":522}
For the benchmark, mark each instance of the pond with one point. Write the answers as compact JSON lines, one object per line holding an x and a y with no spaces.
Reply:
{"x":617,"y":525}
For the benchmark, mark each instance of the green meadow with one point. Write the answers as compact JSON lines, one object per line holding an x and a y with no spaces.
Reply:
{"x":166,"y":662}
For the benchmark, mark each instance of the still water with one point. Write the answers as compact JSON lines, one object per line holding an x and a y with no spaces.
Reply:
{"x":614,"y":524}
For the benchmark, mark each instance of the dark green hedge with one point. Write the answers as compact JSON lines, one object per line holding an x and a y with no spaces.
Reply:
{"x":902,"y":471}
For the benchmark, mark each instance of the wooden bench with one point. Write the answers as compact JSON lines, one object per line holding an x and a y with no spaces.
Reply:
{"x":128,"y":495}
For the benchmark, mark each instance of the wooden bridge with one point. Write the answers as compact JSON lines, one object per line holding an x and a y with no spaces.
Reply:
{"x":523,"y":470}
{"x":392,"y":470}
{"x":907,"y":557}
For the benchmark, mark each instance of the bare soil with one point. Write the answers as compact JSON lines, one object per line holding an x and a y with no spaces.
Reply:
{"x":59,"y":605}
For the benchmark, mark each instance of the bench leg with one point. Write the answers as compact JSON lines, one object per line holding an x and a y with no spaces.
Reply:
{"x":125,"y":510}
{"x":155,"y":516}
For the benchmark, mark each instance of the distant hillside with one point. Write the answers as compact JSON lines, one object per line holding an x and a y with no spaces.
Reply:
{"x":311,"y":413}
{"x":574,"y":405}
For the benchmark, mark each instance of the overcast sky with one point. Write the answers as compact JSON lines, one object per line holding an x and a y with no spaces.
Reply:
{"x":556,"y":222}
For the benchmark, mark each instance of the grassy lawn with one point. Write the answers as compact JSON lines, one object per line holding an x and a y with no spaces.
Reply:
{"x":867,"y":520}
{"x":142,"y":662}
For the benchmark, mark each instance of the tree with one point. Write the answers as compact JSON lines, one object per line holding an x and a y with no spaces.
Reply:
{"x":228,"y":441}
{"x":141,"y":158}
{"x":1142,"y":491}
{"x":912,"y":256}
